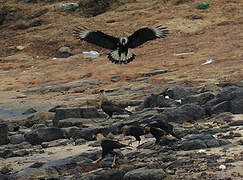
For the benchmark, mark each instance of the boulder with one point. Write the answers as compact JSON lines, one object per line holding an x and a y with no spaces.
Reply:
{"x":38,"y":136}
{"x":156,"y":100}
{"x":17,"y":139}
{"x":178,"y":92}
{"x":69,"y":6}
{"x":75,"y":112}
{"x":184,"y":113}
{"x":145,"y":174}
{"x":64,"y":51}
{"x":201,"y":98}
{"x":4,"y":134}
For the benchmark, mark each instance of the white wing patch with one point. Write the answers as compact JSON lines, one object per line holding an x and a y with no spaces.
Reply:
{"x":81,"y":32}
{"x":123,"y":59}
{"x":160,"y":32}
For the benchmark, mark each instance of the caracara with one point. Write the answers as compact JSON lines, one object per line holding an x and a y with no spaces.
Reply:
{"x":108,"y":146}
{"x":121,"y":47}
{"x":109,"y":107}
{"x":164,"y":125}
{"x":135,"y":131}
{"x":156,"y":132}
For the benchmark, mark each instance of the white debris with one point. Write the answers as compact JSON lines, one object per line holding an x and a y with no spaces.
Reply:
{"x":207,"y":62}
{"x":54,"y":58}
{"x":201,"y":150}
{"x":167,"y":97}
{"x":179,"y":101}
{"x":222,"y":167}
{"x":90,"y":54}
{"x":20,"y":48}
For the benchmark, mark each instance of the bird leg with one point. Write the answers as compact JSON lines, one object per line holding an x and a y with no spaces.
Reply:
{"x":114,"y":161}
{"x":96,"y":161}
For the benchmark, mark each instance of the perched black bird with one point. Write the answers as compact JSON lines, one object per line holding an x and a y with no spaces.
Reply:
{"x":135,"y":131}
{"x":156,"y":132}
{"x":108,"y":146}
{"x":121,"y":47}
{"x":109,"y":107}
{"x":164,"y":125}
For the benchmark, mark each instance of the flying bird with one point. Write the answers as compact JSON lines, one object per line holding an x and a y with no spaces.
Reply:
{"x":121,"y":47}
{"x":108,"y":146}
{"x":109,"y":107}
{"x":132,"y":130}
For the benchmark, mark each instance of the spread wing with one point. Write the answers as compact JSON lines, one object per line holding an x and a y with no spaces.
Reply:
{"x":146,"y":34}
{"x":96,"y":37}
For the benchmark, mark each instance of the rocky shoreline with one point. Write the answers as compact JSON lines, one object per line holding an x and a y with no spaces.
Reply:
{"x":59,"y":143}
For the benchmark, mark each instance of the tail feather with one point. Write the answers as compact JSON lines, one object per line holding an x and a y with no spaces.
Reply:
{"x":123,"y":59}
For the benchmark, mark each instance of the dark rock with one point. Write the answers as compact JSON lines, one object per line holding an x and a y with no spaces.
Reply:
{"x":43,"y":135}
{"x":17,"y":139}
{"x":115,"y":78}
{"x":77,"y":112}
{"x":112,"y":174}
{"x":36,"y":173}
{"x":84,"y":133}
{"x":20,"y":153}
{"x":237,"y":105}
{"x":64,"y":52}
{"x":178,"y":92}
{"x":193,"y":144}
{"x":37,"y":118}
{"x":37,"y":165}
{"x":4,"y":134}
{"x":153,"y":73}
{"x":69,"y":132}
{"x":212,"y":143}
{"x":6,"y":153}
{"x":156,"y":100}
{"x":3,"y":13}
{"x":58,"y":142}
{"x":201,"y":98}
{"x":30,"y":111}
{"x":78,"y":122}
{"x":69,"y":6}
{"x":187,"y":112}
{"x":95,"y":7}
{"x":221,"y":107}
{"x":145,"y":174}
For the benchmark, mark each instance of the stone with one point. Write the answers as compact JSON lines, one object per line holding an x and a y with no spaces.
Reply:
{"x":69,"y":6}
{"x":156,"y":100}
{"x":30,"y":111}
{"x":17,"y":139}
{"x":75,"y":112}
{"x":178,"y":92}
{"x":37,"y":118}
{"x":145,"y":174}
{"x":4,"y":134}
{"x":115,"y":78}
{"x":201,"y":98}
{"x":38,"y":136}
{"x":69,"y":131}
{"x":221,"y":107}
{"x":55,"y":143}
{"x":184,"y":113}
{"x":84,"y":133}
{"x":112,"y":174}
{"x":193,"y":144}
{"x":70,"y":122}
{"x":3,"y":13}
{"x":5,"y":168}
{"x":64,"y":52}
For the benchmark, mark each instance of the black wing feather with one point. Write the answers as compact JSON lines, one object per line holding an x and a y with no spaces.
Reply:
{"x":96,"y":37}
{"x":146,"y":34}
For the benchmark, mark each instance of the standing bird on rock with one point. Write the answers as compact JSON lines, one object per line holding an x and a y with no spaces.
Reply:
{"x":135,"y":131}
{"x":109,"y":107}
{"x":156,"y":132}
{"x":121,"y":47}
{"x":164,"y":125}
{"x":108,"y":146}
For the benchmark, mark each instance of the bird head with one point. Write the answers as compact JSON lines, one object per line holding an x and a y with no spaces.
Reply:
{"x":123,"y":40}
{"x":102,"y":95}
{"x":146,"y":129}
{"x":98,"y":136}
